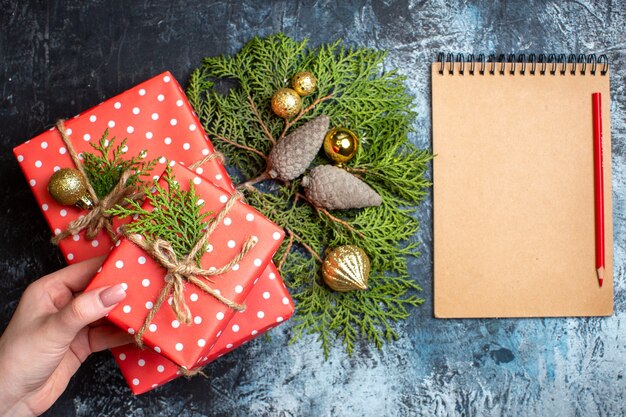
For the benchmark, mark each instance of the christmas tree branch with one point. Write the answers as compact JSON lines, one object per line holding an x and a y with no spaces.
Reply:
{"x":304,"y":244}
{"x":287,"y":250}
{"x":356,"y":90}
{"x":239,"y":145}
{"x":288,"y":230}
{"x":326,"y":213}
{"x":290,"y":123}
{"x":261,"y":122}
{"x":105,"y":170}
{"x":178,"y":215}
{"x":338,"y":220}
{"x":357,"y":172}
{"x":248,"y":184}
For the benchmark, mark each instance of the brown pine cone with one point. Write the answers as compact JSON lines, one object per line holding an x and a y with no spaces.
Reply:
{"x":294,"y":153}
{"x":336,"y":189}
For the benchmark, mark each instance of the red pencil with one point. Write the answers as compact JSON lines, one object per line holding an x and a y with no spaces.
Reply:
{"x":596,"y":99}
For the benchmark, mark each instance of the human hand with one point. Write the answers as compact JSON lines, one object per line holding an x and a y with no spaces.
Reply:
{"x":51,"y":333}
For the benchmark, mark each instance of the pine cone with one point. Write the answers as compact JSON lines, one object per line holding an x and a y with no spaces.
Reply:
{"x":333,"y":188}
{"x":294,"y":153}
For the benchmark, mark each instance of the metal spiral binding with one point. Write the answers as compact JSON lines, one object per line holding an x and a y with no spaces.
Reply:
{"x":542,"y":64}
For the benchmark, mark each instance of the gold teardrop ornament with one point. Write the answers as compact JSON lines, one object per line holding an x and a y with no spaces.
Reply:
{"x":346,"y":268}
{"x":68,"y":187}
{"x":340,"y":145}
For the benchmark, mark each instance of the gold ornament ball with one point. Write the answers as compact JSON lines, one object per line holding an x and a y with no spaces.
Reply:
{"x":286,"y":103}
{"x":340,"y":145}
{"x":346,"y":268}
{"x":68,"y":187}
{"x":304,"y":83}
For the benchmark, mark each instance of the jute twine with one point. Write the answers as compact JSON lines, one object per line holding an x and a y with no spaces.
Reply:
{"x":210,"y":157}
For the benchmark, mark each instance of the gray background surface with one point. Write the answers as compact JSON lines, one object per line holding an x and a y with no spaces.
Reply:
{"x":58,"y":58}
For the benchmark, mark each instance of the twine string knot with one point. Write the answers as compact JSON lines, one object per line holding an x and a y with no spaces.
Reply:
{"x":180,"y":271}
{"x":97,"y":218}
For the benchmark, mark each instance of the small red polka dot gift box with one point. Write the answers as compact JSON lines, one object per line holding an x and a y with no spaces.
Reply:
{"x":267,"y":305}
{"x":235,"y":245}
{"x":154,"y":117}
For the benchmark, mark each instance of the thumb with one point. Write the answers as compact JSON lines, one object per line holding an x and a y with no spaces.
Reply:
{"x":83,"y":310}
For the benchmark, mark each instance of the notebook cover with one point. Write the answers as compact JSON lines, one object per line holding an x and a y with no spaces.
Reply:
{"x":514,"y":231}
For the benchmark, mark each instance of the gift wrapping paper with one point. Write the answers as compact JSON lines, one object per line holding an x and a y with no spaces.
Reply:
{"x":143,"y":277}
{"x":154,"y":116}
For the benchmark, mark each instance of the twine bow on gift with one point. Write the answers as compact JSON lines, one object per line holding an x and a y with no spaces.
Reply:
{"x":180,"y":271}
{"x":98,"y":218}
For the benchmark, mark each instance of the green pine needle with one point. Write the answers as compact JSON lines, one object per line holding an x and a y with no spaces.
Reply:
{"x":177,"y":216}
{"x":104,"y":170}
{"x":372,"y":102}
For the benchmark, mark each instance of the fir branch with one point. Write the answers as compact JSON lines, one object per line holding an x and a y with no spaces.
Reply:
{"x":268,"y":209}
{"x":302,"y":241}
{"x":258,"y":116}
{"x":326,"y":213}
{"x":354,"y":91}
{"x":240,"y":146}
{"x":262,"y":177}
{"x":105,"y":170}
{"x":337,"y":220}
{"x":177,"y":216}
{"x":286,"y":251}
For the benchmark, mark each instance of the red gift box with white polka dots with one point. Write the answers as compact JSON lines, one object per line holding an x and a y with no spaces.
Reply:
{"x":144,"y":277}
{"x":267,"y":305}
{"x":154,"y":116}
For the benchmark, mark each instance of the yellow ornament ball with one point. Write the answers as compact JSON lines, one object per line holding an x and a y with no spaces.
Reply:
{"x":304,"y":83}
{"x":340,"y":145}
{"x":286,"y":103}
{"x":68,"y":187}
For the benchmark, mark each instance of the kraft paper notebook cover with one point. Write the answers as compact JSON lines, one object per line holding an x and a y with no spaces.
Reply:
{"x":514,"y":231}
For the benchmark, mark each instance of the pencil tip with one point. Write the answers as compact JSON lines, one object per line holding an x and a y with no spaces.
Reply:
{"x":600,"y":272}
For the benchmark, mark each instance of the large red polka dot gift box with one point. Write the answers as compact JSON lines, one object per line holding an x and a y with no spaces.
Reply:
{"x":155,"y":118}
{"x":267,"y":305}
{"x":207,"y":286}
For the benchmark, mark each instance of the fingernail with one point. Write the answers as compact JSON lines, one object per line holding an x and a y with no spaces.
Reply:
{"x":112,"y":295}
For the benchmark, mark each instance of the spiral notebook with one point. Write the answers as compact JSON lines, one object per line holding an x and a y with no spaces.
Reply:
{"x":514,"y":232}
